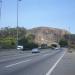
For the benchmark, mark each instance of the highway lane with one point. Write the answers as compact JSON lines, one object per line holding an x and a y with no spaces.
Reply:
{"x":35,"y":65}
{"x":11,"y":55}
{"x":17,"y":58}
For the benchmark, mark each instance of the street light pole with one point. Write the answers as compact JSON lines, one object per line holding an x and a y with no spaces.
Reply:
{"x":69,"y":36}
{"x":17,"y":24}
{"x":17,"y":21}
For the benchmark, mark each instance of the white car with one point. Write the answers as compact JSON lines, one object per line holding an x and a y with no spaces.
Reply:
{"x":35,"y":50}
{"x":56,"y":48}
{"x":19,"y":47}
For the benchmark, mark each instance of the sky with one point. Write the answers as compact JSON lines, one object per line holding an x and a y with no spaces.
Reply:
{"x":37,"y":13}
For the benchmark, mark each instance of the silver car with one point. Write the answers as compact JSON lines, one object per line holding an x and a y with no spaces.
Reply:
{"x":35,"y":50}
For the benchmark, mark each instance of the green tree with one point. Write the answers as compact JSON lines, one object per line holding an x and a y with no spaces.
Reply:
{"x":30,"y":38}
{"x":7,"y":42}
{"x":28,"y":42}
{"x":63,"y":43}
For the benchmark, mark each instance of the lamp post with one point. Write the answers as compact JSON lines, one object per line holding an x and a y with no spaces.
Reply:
{"x":69,"y":37}
{"x":17,"y":25}
{"x":17,"y":21}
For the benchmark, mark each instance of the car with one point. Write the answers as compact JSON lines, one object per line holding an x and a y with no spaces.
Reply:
{"x":56,"y":48}
{"x":19,"y":47}
{"x":35,"y":50}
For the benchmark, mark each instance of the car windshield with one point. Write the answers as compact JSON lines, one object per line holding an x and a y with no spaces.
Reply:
{"x":37,"y":37}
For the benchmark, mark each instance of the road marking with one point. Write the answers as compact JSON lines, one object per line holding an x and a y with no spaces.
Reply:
{"x":17,"y":63}
{"x":3,"y":60}
{"x":53,"y":67}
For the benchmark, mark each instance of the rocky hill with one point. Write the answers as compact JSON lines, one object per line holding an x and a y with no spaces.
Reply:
{"x":47,"y":35}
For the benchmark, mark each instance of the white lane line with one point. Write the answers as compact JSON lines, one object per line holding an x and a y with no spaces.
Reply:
{"x":53,"y":67}
{"x":17,"y":63}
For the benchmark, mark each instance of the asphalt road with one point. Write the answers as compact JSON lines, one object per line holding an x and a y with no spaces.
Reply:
{"x":46,"y":63}
{"x":66,"y":66}
{"x":18,"y":54}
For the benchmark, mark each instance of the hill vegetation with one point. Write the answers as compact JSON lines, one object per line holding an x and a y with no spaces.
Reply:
{"x":29,"y":38}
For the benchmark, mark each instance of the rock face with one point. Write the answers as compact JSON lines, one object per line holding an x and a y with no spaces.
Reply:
{"x":46,"y":35}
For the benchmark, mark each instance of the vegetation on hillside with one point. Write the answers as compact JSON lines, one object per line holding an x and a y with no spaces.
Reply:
{"x":8,"y":38}
{"x":63,"y":43}
{"x":28,"y":42}
{"x":26,"y":38}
